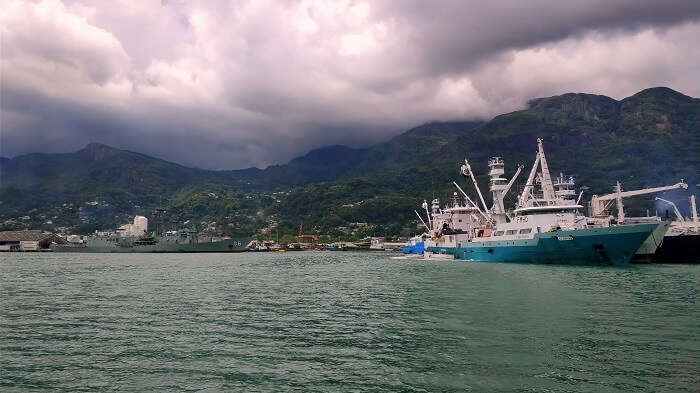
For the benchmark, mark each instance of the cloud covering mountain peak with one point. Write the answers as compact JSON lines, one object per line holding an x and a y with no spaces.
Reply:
{"x":220,"y":84}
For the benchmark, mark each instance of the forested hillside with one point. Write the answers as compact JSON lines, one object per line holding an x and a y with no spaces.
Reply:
{"x":651,"y":138}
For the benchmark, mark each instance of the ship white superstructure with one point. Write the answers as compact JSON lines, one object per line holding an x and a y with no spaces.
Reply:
{"x":138,"y":228}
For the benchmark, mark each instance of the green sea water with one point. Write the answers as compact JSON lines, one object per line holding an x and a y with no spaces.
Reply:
{"x":355,"y":322}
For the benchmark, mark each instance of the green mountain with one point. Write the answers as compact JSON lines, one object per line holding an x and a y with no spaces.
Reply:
{"x":99,"y":167}
{"x":651,"y":138}
{"x":324,"y":164}
{"x":100,"y":186}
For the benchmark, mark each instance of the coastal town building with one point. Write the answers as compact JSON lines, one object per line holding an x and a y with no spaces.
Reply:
{"x":306,"y":239}
{"x":28,"y":240}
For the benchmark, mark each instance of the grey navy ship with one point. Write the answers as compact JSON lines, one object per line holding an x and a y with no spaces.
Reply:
{"x":134,"y":238}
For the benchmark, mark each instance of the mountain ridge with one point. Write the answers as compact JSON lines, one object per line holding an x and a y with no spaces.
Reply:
{"x":647,"y":139}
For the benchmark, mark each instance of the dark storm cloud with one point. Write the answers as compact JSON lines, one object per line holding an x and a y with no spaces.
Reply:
{"x":222,"y":84}
{"x":453,"y":36}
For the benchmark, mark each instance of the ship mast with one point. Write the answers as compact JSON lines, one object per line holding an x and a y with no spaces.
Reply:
{"x":500,"y":186}
{"x":524,"y":197}
{"x":547,"y":187}
{"x":694,"y":212}
{"x":558,"y":194}
{"x":497,"y":184}
{"x":427,"y":212}
{"x":620,"y":210}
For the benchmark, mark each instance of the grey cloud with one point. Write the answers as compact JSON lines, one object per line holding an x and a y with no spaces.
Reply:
{"x":228,"y":85}
{"x":453,"y":36}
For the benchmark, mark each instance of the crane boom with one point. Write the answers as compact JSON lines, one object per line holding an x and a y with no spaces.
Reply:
{"x":470,"y":201}
{"x":547,"y":187}
{"x":512,"y":180}
{"x":421,"y":220}
{"x":425,"y":206}
{"x":625,"y":194}
{"x":675,"y":209}
{"x":530,"y":182}
{"x":467,"y":170}
{"x":598,"y":203}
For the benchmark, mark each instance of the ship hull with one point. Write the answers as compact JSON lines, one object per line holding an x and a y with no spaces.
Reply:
{"x":230,"y":245}
{"x":442,"y":250}
{"x":593,"y":246}
{"x":646,"y":252}
{"x":679,"y":249}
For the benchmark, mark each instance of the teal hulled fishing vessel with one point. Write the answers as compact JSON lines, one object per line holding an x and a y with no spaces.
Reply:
{"x":614,"y":245}
{"x":545,"y":227}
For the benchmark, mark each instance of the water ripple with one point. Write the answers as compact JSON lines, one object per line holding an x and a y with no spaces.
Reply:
{"x":342,"y":322}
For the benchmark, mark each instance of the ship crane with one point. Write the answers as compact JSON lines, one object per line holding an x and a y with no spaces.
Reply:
{"x":512,"y":181}
{"x":543,"y":178}
{"x":466,"y":170}
{"x":675,"y":209}
{"x":690,"y":223}
{"x":599,"y":204}
{"x":474,"y":205}
{"x":421,"y":220}
{"x":425,"y":206}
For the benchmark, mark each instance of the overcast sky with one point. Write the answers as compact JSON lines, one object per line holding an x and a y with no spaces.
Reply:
{"x":224,"y":85}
